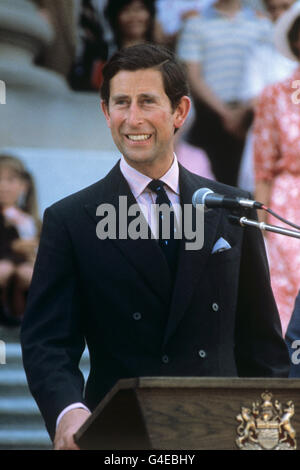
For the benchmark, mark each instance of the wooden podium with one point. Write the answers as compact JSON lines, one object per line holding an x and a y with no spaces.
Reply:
{"x":170,"y":413}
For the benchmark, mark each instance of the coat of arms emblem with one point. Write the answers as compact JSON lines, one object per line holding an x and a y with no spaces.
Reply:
{"x":266,"y":426}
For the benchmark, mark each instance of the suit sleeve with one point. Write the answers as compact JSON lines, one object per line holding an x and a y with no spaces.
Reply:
{"x":52,"y":336}
{"x":259,"y":347}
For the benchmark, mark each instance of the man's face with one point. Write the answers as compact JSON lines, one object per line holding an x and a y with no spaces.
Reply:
{"x":141,"y":119}
{"x":277,"y":7}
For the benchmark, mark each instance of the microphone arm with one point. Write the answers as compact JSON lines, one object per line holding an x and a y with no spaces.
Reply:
{"x":243,"y":221}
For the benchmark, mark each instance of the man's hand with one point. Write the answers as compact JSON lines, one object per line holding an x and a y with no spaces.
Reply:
{"x":68,"y":425}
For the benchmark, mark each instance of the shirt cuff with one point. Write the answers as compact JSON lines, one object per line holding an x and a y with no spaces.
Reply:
{"x":69,"y":408}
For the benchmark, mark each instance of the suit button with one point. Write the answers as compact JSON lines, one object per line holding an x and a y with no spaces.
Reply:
{"x":215,"y":307}
{"x":202,"y":353}
{"x":137,"y":316}
{"x":165,"y":359}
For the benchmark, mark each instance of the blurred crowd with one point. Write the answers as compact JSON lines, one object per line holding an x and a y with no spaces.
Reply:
{"x":244,"y":129}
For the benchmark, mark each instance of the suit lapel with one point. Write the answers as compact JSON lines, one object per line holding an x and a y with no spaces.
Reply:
{"x":191,"y":264}
{"x":145,"y":255}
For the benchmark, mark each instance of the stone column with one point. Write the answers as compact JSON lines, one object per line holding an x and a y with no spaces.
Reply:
{"x":23,"y":33}
{"x":41,"y":111}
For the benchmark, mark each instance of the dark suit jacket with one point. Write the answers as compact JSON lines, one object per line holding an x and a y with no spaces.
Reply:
{"x":219,"y":320}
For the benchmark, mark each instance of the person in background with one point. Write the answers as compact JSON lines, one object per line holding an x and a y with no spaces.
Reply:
{"x":277,"y":165}
{"x":92,"y":49}
{"x":214,"y":47}
{"x":193,"y":158}
{"x":133,"y":22}
{"x":19,"y":229}
{"x":172,"y":14}
{"x":266,"y":65}
{"x":60,"y":54}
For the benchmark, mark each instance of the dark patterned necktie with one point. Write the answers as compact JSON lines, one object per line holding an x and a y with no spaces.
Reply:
{"x":169,"y":244}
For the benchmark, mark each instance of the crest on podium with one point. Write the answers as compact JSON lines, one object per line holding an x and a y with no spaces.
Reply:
{"x":266,"y":426}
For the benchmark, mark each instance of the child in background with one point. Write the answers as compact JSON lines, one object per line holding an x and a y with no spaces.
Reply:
{"x":19,"y":231}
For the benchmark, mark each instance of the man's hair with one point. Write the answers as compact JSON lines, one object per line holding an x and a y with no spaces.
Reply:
{"x":146,"y":56}
{"x":292,"y":37}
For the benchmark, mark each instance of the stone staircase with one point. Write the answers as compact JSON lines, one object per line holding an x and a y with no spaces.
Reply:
{"x":21,"y":424}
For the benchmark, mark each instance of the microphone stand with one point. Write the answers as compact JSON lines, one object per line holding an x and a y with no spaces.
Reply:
{"x":243,"y":221}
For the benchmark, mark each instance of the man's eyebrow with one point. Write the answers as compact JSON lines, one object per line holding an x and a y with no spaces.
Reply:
{"x":148,"y":95}
{"x":142,"y":95}
{"x":119,"y":96}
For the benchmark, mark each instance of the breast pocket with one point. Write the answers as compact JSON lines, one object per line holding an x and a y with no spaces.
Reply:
{"x":232,"y":254}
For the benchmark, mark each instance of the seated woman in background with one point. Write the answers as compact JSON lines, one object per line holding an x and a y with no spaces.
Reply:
{"x":19,"y":231}
{"x":133,"y":22}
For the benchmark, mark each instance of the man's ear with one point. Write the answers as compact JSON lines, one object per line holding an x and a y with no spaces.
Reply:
{"x":105,"y":111}
{"x":182,"y":111}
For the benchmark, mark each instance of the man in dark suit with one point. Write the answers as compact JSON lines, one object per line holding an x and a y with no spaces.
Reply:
{"x":145,"y":307}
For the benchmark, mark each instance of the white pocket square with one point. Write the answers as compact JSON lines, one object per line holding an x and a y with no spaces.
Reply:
{"x":221,"y":245}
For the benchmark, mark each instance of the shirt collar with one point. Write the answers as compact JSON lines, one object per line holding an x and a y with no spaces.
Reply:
{"x":138,"y":182}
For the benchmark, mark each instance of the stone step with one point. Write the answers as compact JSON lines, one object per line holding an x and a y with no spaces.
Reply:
{"x":20,"y":412}
{"x":28,"y":421}
{"x":18,"y":406}
{"x":21,"y":424}
{"x":19,"y":409}
{"x":22,"y":438}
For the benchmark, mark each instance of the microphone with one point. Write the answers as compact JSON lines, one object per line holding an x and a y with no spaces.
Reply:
{"x":213,"y":200}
